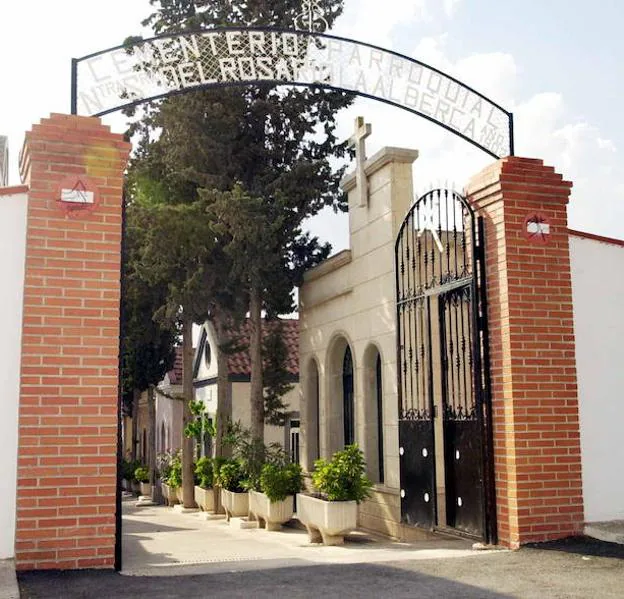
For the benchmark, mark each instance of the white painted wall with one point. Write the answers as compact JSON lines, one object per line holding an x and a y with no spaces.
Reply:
{"x":598,"y":295}
{"x":12,"y":250}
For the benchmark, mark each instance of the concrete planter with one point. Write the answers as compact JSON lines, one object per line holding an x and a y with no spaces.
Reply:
{"x":205,"y":499}
{"x":146,"y":489}
{"x":179,"y":495}
{"x":328,"y":521}
{"x":234,"y":504}
{"x":270,"y":515}
{"x":169,"y":494}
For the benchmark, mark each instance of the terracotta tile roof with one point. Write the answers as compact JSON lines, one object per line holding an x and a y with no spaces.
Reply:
{"x":176,"y":374}
{"x":240,"y":363}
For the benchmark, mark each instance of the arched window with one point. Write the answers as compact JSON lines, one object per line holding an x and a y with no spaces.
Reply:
{"x":380,"y":435}
{"x":373,"y":442}
{"x":313,"y":411}
{"x":347,"y":396}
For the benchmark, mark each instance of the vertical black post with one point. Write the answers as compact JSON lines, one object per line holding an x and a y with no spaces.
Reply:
{"x":120,"y":454}
{"x":74,"y":86}
{"x":482,"y":333}
{"x":512,"y":148}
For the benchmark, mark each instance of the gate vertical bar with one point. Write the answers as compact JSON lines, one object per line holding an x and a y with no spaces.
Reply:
{"x":486,"y":408}
{"x":74,"y":86}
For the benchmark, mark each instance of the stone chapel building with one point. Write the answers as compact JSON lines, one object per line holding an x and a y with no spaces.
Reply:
{"x":348,"y":337}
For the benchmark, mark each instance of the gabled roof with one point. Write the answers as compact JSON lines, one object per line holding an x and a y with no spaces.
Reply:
{"x":239,"y":363}
{"x":177,"y":372}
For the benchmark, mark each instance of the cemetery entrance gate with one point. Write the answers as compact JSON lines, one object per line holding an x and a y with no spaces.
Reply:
{"x":445,"y":430}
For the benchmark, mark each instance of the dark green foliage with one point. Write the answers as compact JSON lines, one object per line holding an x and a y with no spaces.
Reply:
{"x":204,"y":473}
{"x":231,"y":476}
{"x":141,"y":474}
{"x":253,"y":163}
{"x":128,"y":468}
{"x":278,"y":482}
{"x":174,"y":480}
{"x":343,"y":478}
{"x":277,"y":379}
{"x":253,"y":454}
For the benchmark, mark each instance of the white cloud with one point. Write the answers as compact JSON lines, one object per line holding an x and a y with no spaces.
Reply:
{"x":545,"y":128}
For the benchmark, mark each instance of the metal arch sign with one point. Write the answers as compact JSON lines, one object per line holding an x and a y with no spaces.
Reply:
{"x":162,"y":66}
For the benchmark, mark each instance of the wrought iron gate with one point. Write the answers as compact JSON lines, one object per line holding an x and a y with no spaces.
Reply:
{"x":444,"y":402}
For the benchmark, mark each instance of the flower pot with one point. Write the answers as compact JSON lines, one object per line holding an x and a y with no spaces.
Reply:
{"x":179,"y":495}
{"x":328,"y":521}
{"x":205,"y":499}
{"x":169,"y":494}
{"x":146,"y":489}
{"x":234,"y":504}
{"x":270,"y":514}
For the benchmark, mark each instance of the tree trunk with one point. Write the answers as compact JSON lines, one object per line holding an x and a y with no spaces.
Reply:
{"x":188,"y":444}
{"x":136,"y":396}
{"x":255,"y":354}
{"x":151,"y":451}
{"x":224,"y":399}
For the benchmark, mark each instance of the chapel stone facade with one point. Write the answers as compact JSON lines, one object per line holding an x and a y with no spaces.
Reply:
{"x":348,"y":303}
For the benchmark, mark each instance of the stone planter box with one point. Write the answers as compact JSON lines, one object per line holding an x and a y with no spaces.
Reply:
{"x":205,"y":499}
{"x":270,"y":515}
{"x":146,"y":489}
{"x":328,"y":521}
{"x":234,"y":504}
{"x":180,"y":495}
{"x":169,"y":494}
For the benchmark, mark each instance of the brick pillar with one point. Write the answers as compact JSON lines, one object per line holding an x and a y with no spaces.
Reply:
{"x":534,"y":389}
{"x":68,"y":400}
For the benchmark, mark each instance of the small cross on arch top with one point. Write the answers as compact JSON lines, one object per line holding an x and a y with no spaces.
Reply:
{"x":358,"y":141}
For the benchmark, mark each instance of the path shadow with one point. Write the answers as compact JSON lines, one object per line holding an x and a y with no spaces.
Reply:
{"x":361,"y":581}
{"x":581,"y":546}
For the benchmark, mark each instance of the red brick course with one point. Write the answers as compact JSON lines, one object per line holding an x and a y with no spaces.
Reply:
{"x":533,"y":367}
{"x":68,"y":398}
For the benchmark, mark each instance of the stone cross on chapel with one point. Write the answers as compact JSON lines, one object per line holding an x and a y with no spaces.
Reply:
{"x":358,"y":141}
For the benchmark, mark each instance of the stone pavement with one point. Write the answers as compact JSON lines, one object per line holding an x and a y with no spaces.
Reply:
{"x":612,"y":532}
{"x":158,"y":541}
{"x":8,"y":580}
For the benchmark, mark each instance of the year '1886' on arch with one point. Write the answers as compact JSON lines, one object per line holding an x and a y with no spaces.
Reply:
{"x":127,"y":75}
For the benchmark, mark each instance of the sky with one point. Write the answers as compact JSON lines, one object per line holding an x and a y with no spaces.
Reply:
{"x":556,"y":64}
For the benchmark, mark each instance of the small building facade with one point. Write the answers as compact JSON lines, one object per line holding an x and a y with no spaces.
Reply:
{"x":239,"y":377}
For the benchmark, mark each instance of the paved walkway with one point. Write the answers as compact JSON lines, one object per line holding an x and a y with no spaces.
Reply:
{"x":8,"y":580}
{"x":158,"y":541}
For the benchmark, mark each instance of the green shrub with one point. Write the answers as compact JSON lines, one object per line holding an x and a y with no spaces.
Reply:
{"x":174,"y":480}
{"x":128,"y":468}
{"x":343,"y":478}
{"x":216,"y":467}
{"x":231,"y":476}
{"x":204,"y":473}
{"x":164,"y":463}
{"x":141,"y":474}
{"x":278,"y":482}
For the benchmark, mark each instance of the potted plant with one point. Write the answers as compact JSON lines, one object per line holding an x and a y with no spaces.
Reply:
{"x":127,"y":473}
{"x":170,"y":469}
{"x":234,"y":496}
{"x":141,"y":474}
{"x":273,"y":505}
{"x":341,"y":484}
{"x":204,"y":492}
